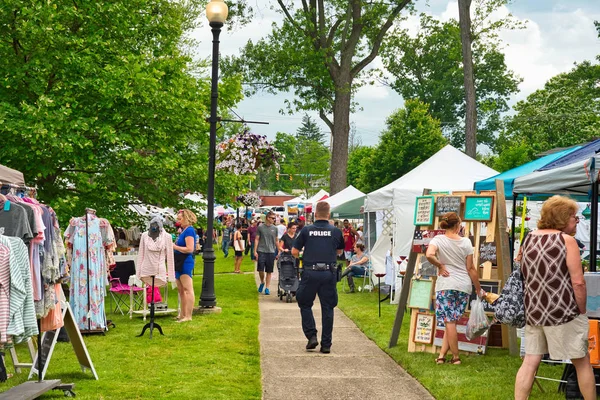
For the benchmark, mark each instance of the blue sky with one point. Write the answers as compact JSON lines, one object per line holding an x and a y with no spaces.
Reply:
{"x":559,"y":33}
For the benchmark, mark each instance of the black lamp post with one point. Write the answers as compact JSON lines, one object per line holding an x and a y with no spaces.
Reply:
{"x":216,"y":12}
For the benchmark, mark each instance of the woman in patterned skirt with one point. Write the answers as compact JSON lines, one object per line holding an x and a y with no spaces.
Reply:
{"x":452,"y":254}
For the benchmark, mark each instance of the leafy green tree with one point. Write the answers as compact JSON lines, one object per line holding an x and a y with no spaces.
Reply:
{"x":564,"y":113}
{"x":319,"y":54}
{"x":428,"y":66}
{"x":309,"y":130}
{"x":286,"y":144}
{"x":311,"y":165}
{"x":356,"y":161}
{"x":100,"y":104}
{"x":411,"y":137}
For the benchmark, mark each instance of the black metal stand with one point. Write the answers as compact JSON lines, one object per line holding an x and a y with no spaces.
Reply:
{"x":379,"y":291}
{"x":151,"y":324}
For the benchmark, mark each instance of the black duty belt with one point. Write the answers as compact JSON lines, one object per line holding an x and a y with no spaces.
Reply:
{"x":320,"y":266}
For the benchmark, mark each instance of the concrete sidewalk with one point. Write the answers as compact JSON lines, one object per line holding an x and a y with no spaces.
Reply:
{"x":355,"y":369}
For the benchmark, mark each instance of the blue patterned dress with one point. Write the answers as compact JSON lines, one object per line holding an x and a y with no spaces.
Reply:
{"x":76,"y":236}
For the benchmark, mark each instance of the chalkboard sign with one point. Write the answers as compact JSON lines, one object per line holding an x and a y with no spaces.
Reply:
{"x":478,"y":208}
{"x":424,"y":210}
{"x":446,"y":204}
{"x":487,"y":252}
{"x":490,"y":286}
{"x":420,"y":294}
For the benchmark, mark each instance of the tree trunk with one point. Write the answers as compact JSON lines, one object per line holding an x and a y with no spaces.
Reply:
{"x":340,"y":132}
{"x":471,"y":111}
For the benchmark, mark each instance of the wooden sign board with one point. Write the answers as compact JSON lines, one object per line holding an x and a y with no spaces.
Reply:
{"x":420,"y":294}
{"x":424,"y":210}
{"x":477,"y":345}
{"x":487,"y":252}
{"x":478,"y":208}
{"x":424,"y":328}
{"x":421,"y":239}
{"x":490,"y":286}
{"x":49,"y":342}
{"x":446,"y":204}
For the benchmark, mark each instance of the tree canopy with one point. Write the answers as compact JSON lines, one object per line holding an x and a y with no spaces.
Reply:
{"x":428,"y":66}
{"x":101,"y":105}
{"x":411,"y":137}
{"x":564,"y":113}
{"x":319,"y":55}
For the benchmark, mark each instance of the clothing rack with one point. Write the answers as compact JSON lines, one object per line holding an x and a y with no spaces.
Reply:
{"x":32,"y":191}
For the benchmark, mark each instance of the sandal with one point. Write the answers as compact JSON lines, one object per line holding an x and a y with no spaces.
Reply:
{"x":440,"y":360}
{"x":455,"y":361}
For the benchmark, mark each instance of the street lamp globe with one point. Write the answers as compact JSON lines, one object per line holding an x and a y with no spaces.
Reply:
{"x":216,"y":11}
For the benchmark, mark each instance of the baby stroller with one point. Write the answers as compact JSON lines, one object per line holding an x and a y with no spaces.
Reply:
{"x":288,"y":277}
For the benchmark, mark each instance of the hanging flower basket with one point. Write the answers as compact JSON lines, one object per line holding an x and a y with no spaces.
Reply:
{"x":250,"y":199}
{"x":246,"y":153}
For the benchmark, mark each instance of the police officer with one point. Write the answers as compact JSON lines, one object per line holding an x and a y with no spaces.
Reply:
{"x":322,"y":243}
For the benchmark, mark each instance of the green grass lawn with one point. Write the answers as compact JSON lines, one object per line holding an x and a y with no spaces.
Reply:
{"x":215,"y":356}
{"x":489,"y":376}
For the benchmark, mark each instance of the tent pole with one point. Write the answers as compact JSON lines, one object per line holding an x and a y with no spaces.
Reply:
{"x":594,"y":227}
{"x":512,"y":232}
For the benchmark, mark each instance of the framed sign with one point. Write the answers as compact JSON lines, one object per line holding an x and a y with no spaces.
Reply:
{"x":490,"y":286}
{"x":424,"y":328}
{"x":446,"y":204}
{"x":420,"y":294}
{"x":424,"y":210}
{"x":487,"y":252}
{"x":478,"y":208}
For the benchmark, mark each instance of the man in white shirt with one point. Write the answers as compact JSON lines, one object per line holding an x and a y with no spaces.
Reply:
{"x":280,"y":229}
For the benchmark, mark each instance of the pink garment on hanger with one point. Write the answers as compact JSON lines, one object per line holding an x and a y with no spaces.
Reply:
{"x":157,"y":295}
{"x":153,"y":255}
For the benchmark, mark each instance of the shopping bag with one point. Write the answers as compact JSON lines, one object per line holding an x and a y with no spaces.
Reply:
{"x":239,"y":245}
{"x":478,"y":322}
{"x":510,"y":308}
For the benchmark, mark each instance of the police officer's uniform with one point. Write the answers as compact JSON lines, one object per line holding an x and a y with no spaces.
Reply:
{"x":320,"y":242}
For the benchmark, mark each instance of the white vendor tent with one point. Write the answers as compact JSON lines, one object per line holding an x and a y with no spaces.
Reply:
{"x":447,"y":170}
{"x":346,"y":195}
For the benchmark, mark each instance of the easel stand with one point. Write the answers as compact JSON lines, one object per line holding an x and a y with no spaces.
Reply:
{"x":151,"y":324}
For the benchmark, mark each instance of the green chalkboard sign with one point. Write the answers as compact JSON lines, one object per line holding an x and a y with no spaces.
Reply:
{"x":420,"y":294}
{"x":424,"y":210}
{"x":478,"y":208}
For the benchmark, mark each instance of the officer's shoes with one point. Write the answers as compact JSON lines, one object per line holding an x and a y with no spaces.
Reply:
{"x":312,"y":343}
{"x":325,"y":350}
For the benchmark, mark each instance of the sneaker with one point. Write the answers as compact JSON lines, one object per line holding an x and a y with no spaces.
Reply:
{"x":260,"y":288}
{"x":325,"y":350}
{"x":312,"y":343}
{"x":267,"y":292}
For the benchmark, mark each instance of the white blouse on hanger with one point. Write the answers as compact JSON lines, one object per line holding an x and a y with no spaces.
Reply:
{"x":152,"y":257}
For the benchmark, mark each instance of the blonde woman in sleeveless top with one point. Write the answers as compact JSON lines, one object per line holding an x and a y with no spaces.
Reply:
{"x":554,"y":297}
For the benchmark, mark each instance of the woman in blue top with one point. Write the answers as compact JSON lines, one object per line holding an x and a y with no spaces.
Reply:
{"x":185,"y":245}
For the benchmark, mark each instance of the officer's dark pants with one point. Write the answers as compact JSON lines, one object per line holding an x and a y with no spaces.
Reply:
{"x":322,"y":283}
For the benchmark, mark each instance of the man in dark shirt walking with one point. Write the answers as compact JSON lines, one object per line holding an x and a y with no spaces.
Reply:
{"x":322,"y":243}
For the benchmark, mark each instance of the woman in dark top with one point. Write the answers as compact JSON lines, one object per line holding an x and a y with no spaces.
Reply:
{"x":287,"y":240}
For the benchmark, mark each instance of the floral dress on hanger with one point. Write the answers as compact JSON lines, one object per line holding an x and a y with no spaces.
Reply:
{"x":76,"y":238}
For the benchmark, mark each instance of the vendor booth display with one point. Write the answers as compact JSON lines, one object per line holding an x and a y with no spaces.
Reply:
{"x":447,"y":170}
{"x":32,"y":267}
{"x":481,"y":223}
